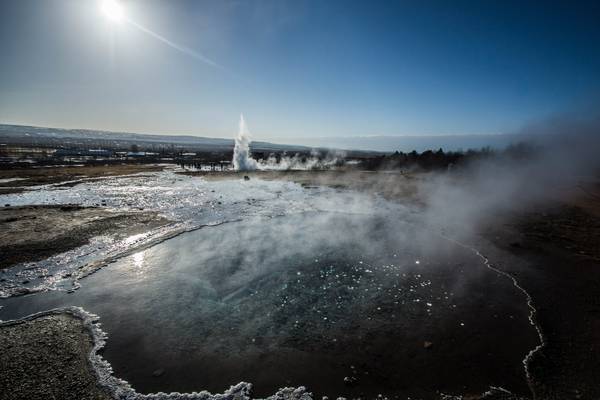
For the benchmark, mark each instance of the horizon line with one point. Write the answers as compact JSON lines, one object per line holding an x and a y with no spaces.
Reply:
{"x":266,"y":137}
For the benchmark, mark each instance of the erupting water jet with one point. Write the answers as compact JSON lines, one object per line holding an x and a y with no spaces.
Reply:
{"x":242,"y":159}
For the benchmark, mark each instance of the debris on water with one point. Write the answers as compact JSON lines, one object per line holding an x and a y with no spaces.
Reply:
{"x":158,"y":372}
{"x":350,"y":380}
{"x":427,"y":344}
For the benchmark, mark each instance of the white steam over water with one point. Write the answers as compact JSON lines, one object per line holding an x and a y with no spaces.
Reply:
{"x":243,"y":160}
{"x":320,"y":261}
{"x":190,"y":203}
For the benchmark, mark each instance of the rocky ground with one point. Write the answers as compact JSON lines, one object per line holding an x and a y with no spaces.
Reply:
{"x":46,"y":358}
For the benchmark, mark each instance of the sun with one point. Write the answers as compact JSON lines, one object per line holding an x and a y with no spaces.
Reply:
{"x":113,"y":10}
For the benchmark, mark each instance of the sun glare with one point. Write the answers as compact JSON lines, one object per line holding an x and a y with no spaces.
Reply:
{"x":112,"y":10}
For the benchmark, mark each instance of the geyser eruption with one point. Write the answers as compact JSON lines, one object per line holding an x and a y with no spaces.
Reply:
{"x":242,"y":159}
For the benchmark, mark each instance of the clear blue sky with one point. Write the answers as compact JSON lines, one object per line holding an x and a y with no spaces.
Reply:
{"x":297,"y":68}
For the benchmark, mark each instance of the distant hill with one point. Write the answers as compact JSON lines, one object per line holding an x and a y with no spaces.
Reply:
{"x":21,"y":134}
{"x":353,"y":145}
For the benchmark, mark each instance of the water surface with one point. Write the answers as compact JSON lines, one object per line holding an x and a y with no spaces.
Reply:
{"x":345,"y":304}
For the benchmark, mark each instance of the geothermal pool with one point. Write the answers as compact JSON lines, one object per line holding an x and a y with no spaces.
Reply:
{"x":340,"y":292}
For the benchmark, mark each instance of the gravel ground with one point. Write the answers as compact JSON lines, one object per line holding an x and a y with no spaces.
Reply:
{"x":46,"y":358}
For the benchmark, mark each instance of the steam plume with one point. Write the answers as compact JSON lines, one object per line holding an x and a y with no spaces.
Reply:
{"x":242,"y":159}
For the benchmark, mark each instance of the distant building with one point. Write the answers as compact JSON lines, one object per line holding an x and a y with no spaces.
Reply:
{"x":138,"y":154}
{"x":83,"y":153}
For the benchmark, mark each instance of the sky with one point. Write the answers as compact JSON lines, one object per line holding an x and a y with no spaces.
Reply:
{"x":297,"y":69}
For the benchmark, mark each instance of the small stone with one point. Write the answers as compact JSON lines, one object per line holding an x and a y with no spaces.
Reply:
{"x":350,"y":380}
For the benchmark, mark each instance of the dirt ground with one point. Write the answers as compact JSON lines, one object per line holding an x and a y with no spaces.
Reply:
{"x":562,"y":246}
{"x":25,"y":235}
{"x":44,"y":176}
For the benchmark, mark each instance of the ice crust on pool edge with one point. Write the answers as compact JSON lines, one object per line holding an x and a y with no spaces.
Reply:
{"x":120,"y":389}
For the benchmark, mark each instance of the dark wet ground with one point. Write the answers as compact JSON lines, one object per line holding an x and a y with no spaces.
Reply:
{"x":384,"y":308}
{"x":562,"y":274}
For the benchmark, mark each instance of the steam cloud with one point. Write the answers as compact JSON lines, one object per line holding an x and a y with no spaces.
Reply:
{"x":243,"y":160}
{"x":562,"y":162}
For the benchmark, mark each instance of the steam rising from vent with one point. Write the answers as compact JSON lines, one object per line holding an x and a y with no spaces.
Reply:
{"x":242,"y":159}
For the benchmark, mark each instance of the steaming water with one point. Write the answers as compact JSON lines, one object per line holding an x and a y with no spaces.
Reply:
{"x":243,"y":160}
{"x":189,"y":202}
{"x":329,"y":289}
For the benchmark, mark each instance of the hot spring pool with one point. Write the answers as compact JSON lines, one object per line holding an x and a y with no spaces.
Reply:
{"x":344,"y":304}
